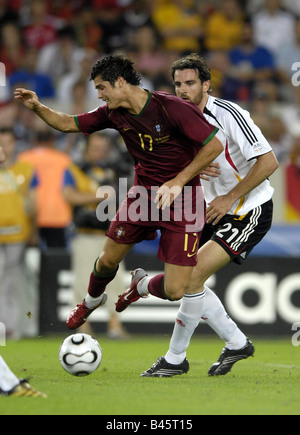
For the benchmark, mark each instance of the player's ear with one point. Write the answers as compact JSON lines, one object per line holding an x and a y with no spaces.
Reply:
{"x":120,"y":81}
{"x":206,"y":86}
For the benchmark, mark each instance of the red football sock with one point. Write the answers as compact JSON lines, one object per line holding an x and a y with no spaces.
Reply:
{"x":156,"y":286}
{"x":98,"y":283}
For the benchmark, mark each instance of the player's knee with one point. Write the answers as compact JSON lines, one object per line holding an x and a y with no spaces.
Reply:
{"x":175,"y":291}
{"x":106,"y":265}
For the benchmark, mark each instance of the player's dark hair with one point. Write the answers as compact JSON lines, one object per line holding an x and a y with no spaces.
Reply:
{"x":110,"y":68}
{"x":193,"y":61}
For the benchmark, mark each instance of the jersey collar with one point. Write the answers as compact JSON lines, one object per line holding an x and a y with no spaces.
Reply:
{"x":146,"y":105}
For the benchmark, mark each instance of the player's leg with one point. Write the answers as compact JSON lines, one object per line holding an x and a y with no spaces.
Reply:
{"x":237,"y":345}
{"x":85,"y":249}
{"x":237,"y":237}
{"x":172,"y":284}
{"x":105,"y":269}
{"x":187,"y":320}
{"x":8,"y":380}
{"x":118,"y":285}
{"x":211,"y":257}
{"x":232,"y":240}
{"x":168,"y":285}
{"x":10,"y":385}
{"x":179,"y":253}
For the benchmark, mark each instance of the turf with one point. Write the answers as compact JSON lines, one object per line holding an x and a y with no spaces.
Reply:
{"x":265,"y":385}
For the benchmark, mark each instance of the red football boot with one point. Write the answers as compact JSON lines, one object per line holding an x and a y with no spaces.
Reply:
{"x":81,"y":313}
{"x":131,"y":295}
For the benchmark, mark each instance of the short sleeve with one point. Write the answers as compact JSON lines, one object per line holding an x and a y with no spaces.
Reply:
{"x":191,"y":122}
{"x":241,"y":129}
{"x":93,"y":121}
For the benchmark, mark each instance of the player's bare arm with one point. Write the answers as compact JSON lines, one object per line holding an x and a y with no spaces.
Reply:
{"x":76,"y":198}
{"x":263,"y":168}
{"x":55,"y":119}
{"x":212,"y":171}
{"x":203,"y":159}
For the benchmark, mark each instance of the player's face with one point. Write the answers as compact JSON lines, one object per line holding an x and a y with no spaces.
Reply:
{"x":111,"y":95}
{"x":188,"y":85}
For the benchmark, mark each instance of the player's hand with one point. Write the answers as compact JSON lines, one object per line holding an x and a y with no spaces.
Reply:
{"x":28,"y":98}
{"x":212,"y":171}
{"x":167,"y":193}
{"x":217,"y":209}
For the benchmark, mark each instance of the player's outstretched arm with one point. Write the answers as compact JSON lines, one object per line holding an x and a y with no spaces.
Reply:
{"x":58,"y":120}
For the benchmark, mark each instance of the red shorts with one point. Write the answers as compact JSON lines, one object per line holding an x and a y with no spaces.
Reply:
{"x":133,"y":224}
{"x":174,"y":248}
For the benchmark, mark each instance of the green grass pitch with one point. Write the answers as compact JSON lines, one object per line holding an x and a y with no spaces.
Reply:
{"x":267,"y":384}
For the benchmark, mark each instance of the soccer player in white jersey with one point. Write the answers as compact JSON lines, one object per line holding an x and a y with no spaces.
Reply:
{"x":239,"y":214}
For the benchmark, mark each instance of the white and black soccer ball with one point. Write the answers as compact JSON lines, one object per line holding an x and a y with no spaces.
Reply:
{"x":80,"y":354}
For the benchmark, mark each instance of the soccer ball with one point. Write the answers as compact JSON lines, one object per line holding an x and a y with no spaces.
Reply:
{"x":80,"y":354}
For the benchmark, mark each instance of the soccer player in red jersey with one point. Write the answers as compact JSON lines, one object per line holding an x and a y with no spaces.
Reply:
{"x":171,"y":143}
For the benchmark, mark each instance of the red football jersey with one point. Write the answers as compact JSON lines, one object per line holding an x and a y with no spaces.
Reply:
{"x":163,"y":139}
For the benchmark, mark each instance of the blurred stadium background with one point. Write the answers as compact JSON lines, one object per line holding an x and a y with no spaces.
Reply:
{"x":253,"y":48}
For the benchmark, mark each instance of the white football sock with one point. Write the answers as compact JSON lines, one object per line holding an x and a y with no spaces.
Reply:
{"x":91,"y":302}
{"x":217,"y":318}
{"x":188,"y":318}
{"x":8,"y":380}
{"x":142,"y":286}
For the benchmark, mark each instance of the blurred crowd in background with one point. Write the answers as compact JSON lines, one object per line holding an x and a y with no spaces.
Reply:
{"x":251,"y":45}
{"x":49,"y":46}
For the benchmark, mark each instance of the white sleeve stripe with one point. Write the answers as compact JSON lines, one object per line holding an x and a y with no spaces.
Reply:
{"x":249,"y":229}
{"x":248,"y":133}
{"x":208,"y":112}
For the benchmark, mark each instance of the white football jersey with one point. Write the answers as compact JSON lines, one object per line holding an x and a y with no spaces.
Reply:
{"x":243,"y":142}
